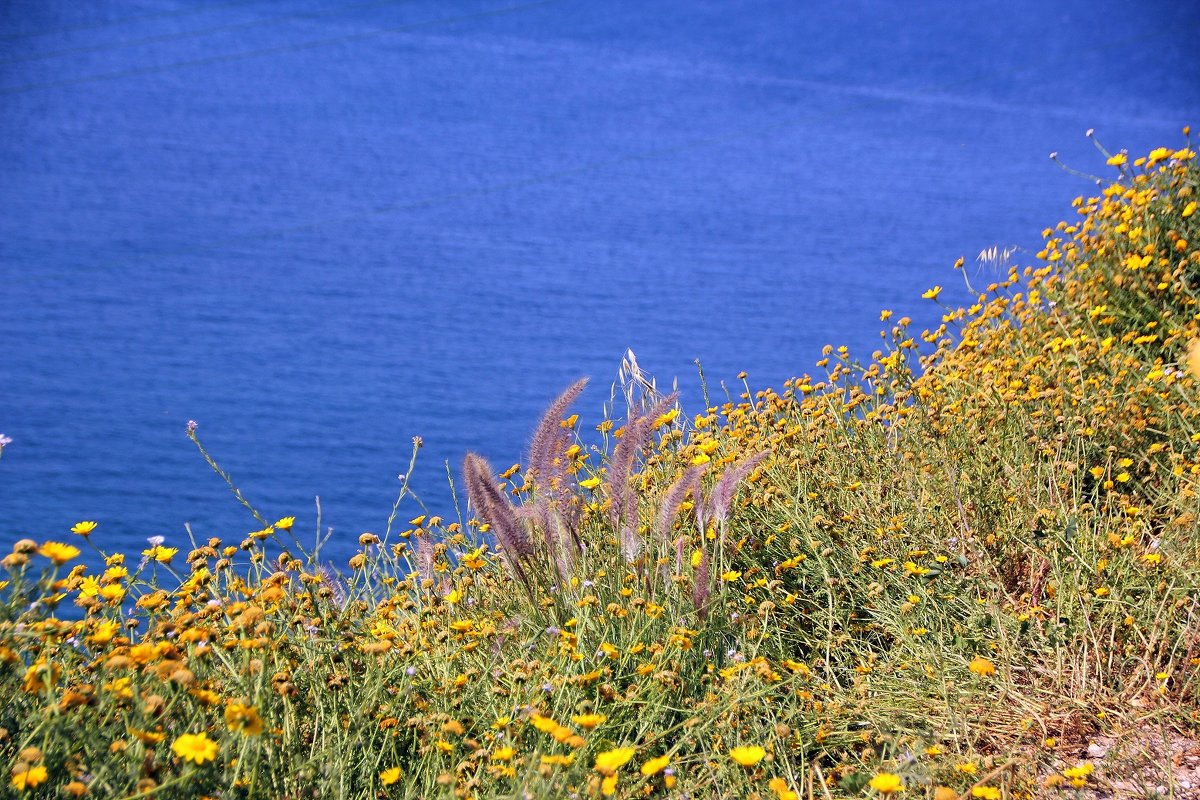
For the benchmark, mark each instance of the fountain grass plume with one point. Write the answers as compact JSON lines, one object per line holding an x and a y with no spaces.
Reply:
{"x":494,"y":508}
{"x":726,"y":487}
{"x":628,"y":447}
{"x":425,"y":559}
{"x":688,"y":482}
{"x":555,"y":510}
{"x":633,"y":441}
{"x":550,"y":440}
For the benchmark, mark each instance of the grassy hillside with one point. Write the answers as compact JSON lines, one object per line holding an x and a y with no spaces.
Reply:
{"x":942,"y":572}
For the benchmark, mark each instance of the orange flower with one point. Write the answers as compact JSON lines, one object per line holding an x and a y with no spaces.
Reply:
{"x":58,"y":553}
{"x":982,"y":667}
{"x":780,"y":787}
{"x":588,"y":721}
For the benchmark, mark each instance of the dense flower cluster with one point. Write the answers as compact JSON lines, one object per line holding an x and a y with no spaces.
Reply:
{"x":822,"y":590}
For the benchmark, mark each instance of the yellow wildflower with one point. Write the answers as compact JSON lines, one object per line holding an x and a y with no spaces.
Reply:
{"x":87,"y":526}
{"x":782,"y":792}
{"x":655,"y":765}
{"x":588,"y":721}
{"x":29,"y":778}
{"x":160,"y":553}
{"x":748,"y":755}
{"x":390,"y":776}
{"x":608,"y":762}
{"x":286,"y":523}
{"x":932,"y":294}
{"x":667,"y":418}
{"x":114,"y":573}
{"x":195,"y":747}
{"x":1158,"y":154}
{"x":1078,"y":775}
{"x":1193,"y":359}
{"x":58,"y":553}
{"x":147,"y":737}
{"x":886,"y":783}
{"x":104,"y":632}
{"x":982,"y":667}
{"x":41,"y":676}
{"x":243,"y":718}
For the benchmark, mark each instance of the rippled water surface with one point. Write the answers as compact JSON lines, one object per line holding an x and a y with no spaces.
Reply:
{"x":323,"y":228}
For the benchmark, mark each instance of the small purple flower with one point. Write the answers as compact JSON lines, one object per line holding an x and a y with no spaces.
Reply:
{"x":192,"y":425}
{"x":5,"y":440}
{"x":410,"y":671}
{"x":155,"y":541}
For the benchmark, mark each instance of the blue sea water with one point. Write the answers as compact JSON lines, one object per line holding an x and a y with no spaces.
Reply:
{"x":322,"y":228}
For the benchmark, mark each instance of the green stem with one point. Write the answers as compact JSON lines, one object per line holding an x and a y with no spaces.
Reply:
{"x":225,"y":477}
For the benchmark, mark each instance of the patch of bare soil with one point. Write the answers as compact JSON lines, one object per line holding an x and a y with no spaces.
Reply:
{"x":1144,"y":764}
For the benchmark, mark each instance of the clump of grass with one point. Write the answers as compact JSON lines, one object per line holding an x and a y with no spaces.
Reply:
{"x":936,"y":572}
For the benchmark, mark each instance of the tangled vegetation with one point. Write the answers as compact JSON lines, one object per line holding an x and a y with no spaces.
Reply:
{"x":937,"y":573}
